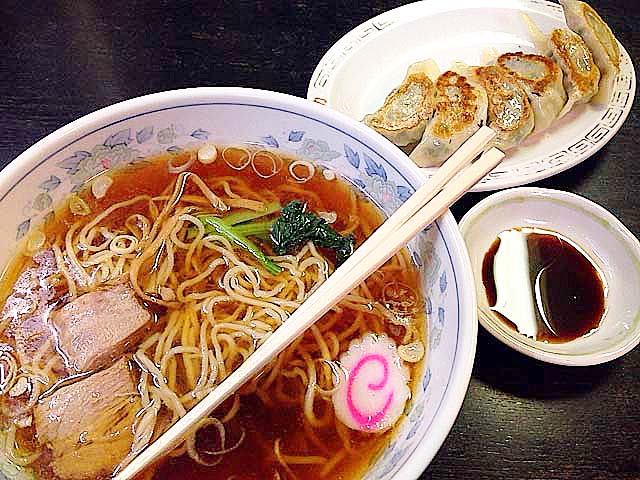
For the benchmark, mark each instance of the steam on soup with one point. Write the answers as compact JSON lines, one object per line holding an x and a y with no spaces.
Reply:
{"x":154,"y":282}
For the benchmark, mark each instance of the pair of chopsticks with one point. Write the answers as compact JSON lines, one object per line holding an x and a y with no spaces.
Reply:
{"x":428,"y":203}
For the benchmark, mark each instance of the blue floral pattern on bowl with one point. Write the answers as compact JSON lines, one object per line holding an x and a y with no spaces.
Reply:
{"x":134,"y":138}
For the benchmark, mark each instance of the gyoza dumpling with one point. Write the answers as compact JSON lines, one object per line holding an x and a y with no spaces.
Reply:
{"x":509,"y":113}
{"x":541,"y":78}
{"x":586,"y":22}
{"x":461,"y":109}
{"x":581,"y":74}
{"x":405,"y":112}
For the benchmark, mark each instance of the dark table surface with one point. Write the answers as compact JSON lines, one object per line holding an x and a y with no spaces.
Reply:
{"x":521,"y":419}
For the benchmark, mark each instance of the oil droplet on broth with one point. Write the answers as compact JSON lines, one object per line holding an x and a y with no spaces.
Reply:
{"x":542,"y":285}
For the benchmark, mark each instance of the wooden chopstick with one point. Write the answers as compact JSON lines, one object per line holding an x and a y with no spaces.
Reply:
{"x":420,"y":210}
{"x":443,"y":200}
{"x":467,"y":152}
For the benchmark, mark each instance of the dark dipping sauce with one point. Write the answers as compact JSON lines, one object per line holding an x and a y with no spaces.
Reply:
{"x":569,"y":294}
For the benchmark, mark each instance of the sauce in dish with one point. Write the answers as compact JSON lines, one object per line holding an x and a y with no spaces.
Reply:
{"x":542,"y":285}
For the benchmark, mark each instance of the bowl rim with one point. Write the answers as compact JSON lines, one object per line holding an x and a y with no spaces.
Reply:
{"x":587,"y":206}
{"x":27,"y":161}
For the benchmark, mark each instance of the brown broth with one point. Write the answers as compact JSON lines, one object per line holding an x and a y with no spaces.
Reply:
{"x":254,"y":459}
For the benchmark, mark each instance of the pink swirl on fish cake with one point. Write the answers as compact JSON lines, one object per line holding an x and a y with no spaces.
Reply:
{"x":367,"y":421}
{"x":374,"y":390}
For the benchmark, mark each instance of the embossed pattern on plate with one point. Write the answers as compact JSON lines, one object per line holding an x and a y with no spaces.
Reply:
{"x":356,"y":74}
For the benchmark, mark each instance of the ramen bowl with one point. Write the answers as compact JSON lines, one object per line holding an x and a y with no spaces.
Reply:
{"x":127,"y":132}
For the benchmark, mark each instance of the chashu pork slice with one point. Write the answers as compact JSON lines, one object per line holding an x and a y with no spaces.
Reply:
{"x":405,"y":112}
{"x":98,"y":327}
{"x":26,"y":310}
{"x":461,"y":109}
{"x":87,"y":425}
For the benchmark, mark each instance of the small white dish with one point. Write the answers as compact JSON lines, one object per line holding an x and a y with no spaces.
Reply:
{"x":606,"y":241}
{"x":364,"y":66}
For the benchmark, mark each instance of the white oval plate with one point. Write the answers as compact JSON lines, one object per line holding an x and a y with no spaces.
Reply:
{"x":360,"y":70}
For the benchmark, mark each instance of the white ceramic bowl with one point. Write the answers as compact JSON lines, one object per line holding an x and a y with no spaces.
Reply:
{"x":125,"y":132}
{"x":607,"y":242}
